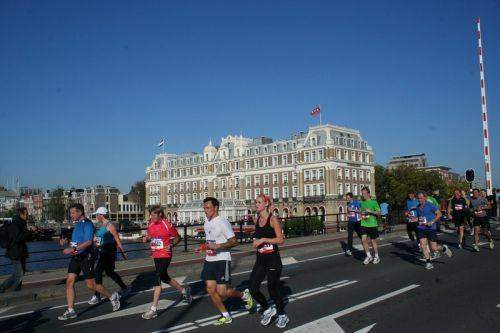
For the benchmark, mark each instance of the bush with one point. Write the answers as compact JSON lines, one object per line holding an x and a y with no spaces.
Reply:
{"x":303,"y":226}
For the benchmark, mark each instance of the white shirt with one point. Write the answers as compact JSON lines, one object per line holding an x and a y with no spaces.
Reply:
{"x":218,"y":231}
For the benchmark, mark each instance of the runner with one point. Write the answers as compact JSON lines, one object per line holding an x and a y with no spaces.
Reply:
{"x":468,"y":213}
{"x":353,"y":209}
{"x":162,"y":236}
{"x":411,"y":212}
{"x":217,"y":267}
{"x":369,"y":226}
{"x":268,"y":235}
{"x":481,"y":222}
{"x":427,"y":216}
{"x":82,"y":260}
{"x":107,"y":241}
{"x":457,"y":210}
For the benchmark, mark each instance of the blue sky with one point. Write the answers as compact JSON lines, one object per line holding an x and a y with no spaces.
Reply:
{"x":90,"y":87}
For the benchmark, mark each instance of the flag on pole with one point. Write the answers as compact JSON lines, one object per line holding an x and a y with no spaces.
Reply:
{"x":161,"y":143}
{"x":316,"y":111}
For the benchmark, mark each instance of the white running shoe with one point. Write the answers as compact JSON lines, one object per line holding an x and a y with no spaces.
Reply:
{"x":492,"y":244}
{"x":94,"y":300}
{"x":376,"y":260}
{"x":282,"y":321}
{"x":348,"y":253}
{"x":429,"y":266}
{"x":367,"y":260}
{"x":447,"y":251}
{"x":115,"y":301}
{"x":150,"y":314}
{"x":67,"y":315}
{"x":266,"y":317}
{"x":248,"y":299}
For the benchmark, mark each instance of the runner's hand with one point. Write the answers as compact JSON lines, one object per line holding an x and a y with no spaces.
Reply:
{"x":257,"y":243}
{"x":144,"y":239}
{"x":68,"y":251}
{"x":124,"y":255}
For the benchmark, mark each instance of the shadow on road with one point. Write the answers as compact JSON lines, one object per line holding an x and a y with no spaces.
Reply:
{"x":25,"y":323}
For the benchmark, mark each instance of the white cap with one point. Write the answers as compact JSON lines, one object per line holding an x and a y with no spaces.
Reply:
{"x":101,"y":211}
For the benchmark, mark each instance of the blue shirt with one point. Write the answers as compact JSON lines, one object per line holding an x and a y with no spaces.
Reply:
{"x":84,"y":231}
{"x":427,"y":211}
{"x":384,"y":208}
{"x":353,"y":207}
{"x":411,"y":206}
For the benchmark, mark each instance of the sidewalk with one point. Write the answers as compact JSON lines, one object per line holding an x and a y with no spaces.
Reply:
{"x":139,"y":273}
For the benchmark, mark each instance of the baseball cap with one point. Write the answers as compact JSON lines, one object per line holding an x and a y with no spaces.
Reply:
{"x":101,"y":211}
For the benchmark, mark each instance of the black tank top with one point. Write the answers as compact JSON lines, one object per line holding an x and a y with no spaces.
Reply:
{"x":267,"y":231}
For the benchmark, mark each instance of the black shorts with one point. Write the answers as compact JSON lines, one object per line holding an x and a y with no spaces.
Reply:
{"x":483,"y":222}
{"x":459,"y":221}
{"x":161,"y":266}
{"x":83,"y":264}
{"x":219,"y":271}
{"x":430,"y":234}
{"x":371,"y":232}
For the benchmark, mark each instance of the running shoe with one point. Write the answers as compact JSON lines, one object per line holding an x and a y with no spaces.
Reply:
{"x":460,"y":246}
{"x":367,"y":260}
{"x":475,"y":247}
{"x":436,"y":255}
{"x":428,"y":265}
{"x":282,"y":321}
{"x":187,"y":295}
{"x":266,"y":317}
{"x":247,"y":297}
{"x":115,"y":301}
{"x":223,"y":321}
{"x":150,"y":314}
{"x":472,"y":232}
{"x":492,"y":244}
{"x":447,"y":251}
{"x":67,"y":315}
{"x":94,"y":300}
{"x":348,"y":253}
{"x":376,"y":260}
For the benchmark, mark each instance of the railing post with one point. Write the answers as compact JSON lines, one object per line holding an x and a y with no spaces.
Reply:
{"x":338,"y":222}
{"x":240,"y":222}
{"x":185,"y":238}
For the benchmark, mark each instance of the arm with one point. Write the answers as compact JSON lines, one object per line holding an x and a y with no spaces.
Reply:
{"x":231,"y":242}
{"x":112,"y":230}
{"x":375,"y":211}
{"x":437,"y":218}
{"x":177,"y":240}
{"x":278,"y":240}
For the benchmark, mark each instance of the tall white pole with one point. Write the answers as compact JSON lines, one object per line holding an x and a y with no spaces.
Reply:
{"x":486,"y":135}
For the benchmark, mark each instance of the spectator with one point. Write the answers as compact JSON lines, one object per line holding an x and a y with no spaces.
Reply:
{"x":17,"y":250}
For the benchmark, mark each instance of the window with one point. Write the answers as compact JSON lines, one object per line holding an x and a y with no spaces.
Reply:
{"x":256,"y":180}
{"x":361,"y":175}
{"x":294,"y":158}
{"x":307,"y":175}
{"x":313,"y":174}
{"x":248,"y":194}
{"x":285,"y":192}
{"x":195,"y":186}
{"x":247,"y":164}
{"x":295,"y":191}
{"x":257,"y":192}
{"x":306,"y":156}
{"x":321,"y":189}
{"x":354,"y":174}
{"x":314,"y":190}
{"x":307,"y":190}
{"x":355,"y":189}
{"x":339,"y":154}
{"x":237,"y":195}
{"x":275,"y":178}
{"x":340,"y":189}
{"x":347,"y":174}
{"x":320,"y":174}
{"x":368,"y":176}
{"x":275,"y":160}
{"x":339,"y":173}
{"x":313,"y":156}
{"x":275,"y":149}
{"x":294,"y":177}
{"x":284,"y":178}
{"x":276,"y":193}
{"x":266,"y":190}
{"x":195,"y":196}
{"x":360,"y":157}
{"x":346,"y":155}
{"x":353,"y":156}
{"x":347,"y":188}
{"x":223,"y":184}
{"x":256,"y":163}
{"x":248,"y":181}
{"x":285,"y":159}
{"x":321,"y":154}
{"x":266,"y":180}
{"x":265,"y":161}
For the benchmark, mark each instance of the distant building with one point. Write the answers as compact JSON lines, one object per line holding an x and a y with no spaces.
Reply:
{"x":418,"y":161}
{"x":445,"y":173}
{"x":8,"y":200}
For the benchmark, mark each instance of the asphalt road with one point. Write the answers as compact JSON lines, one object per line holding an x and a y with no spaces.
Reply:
{"x":326,"y":292}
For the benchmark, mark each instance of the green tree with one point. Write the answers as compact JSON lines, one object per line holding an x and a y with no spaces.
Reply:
{"x":57,"y":207}
{"x":138,"y":193}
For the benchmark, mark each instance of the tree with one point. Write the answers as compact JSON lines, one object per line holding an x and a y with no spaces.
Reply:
{"x":138,"y":193}
{"x":57,"y":206}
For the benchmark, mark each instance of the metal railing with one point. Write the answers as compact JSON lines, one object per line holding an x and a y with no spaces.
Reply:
{"x":294,"y":226}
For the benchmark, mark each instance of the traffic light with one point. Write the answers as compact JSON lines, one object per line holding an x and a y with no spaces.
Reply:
{"x":469,"y":175}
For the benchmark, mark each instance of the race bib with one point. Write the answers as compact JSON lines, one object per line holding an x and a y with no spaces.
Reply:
{"x":156,"y":244}
{"x":459,"y":207}
{"x":352,"y":214}
{"x":210,"y":252}
{"x":73,"y":244}
{"x":422,"y":220}
{"x":266,"y":248}
{"x":480,"y":213}
{"x":413,"y":213}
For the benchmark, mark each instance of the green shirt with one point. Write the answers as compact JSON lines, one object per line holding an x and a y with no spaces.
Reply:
{"x":433,"y":201}
{"x":370,"y":220}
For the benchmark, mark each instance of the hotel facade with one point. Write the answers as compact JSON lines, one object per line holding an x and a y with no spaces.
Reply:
{"x":307,"y":174}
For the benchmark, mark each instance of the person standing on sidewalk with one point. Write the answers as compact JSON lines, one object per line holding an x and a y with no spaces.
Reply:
{"x":216,"y":271}
{"x":162,"y":237}
{"x":107,"y":241}
{"x":17,"y":234}
{"x":353,"y":209}
{"x":82,"y":260}
{"x":268,"y":235}
{"x":370,"y":210}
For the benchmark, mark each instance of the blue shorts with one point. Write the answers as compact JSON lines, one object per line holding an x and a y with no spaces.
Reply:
{"x":430,"y":234}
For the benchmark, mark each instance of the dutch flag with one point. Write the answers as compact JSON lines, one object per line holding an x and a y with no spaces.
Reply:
{"x":161,"y":143}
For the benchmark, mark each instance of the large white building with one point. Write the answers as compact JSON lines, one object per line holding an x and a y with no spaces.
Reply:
{"x":305,"y":174}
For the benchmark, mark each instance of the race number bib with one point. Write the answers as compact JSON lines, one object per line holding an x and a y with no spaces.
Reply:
{"x":73,"y":244}
{"x":210,"y":252}
{"x":459,"y":207}
{"x":480,"y":213}
{"x":422,"y":220}
{"x":156,"y":244}
{"x":266,"y":248}
{"x":352,"y":215}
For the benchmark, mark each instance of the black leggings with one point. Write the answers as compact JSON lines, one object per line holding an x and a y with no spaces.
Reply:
{"x":411,"y":228}
{"x":351,"y":228}
{"x":106,"y":263}
{"x":267,"y":265}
